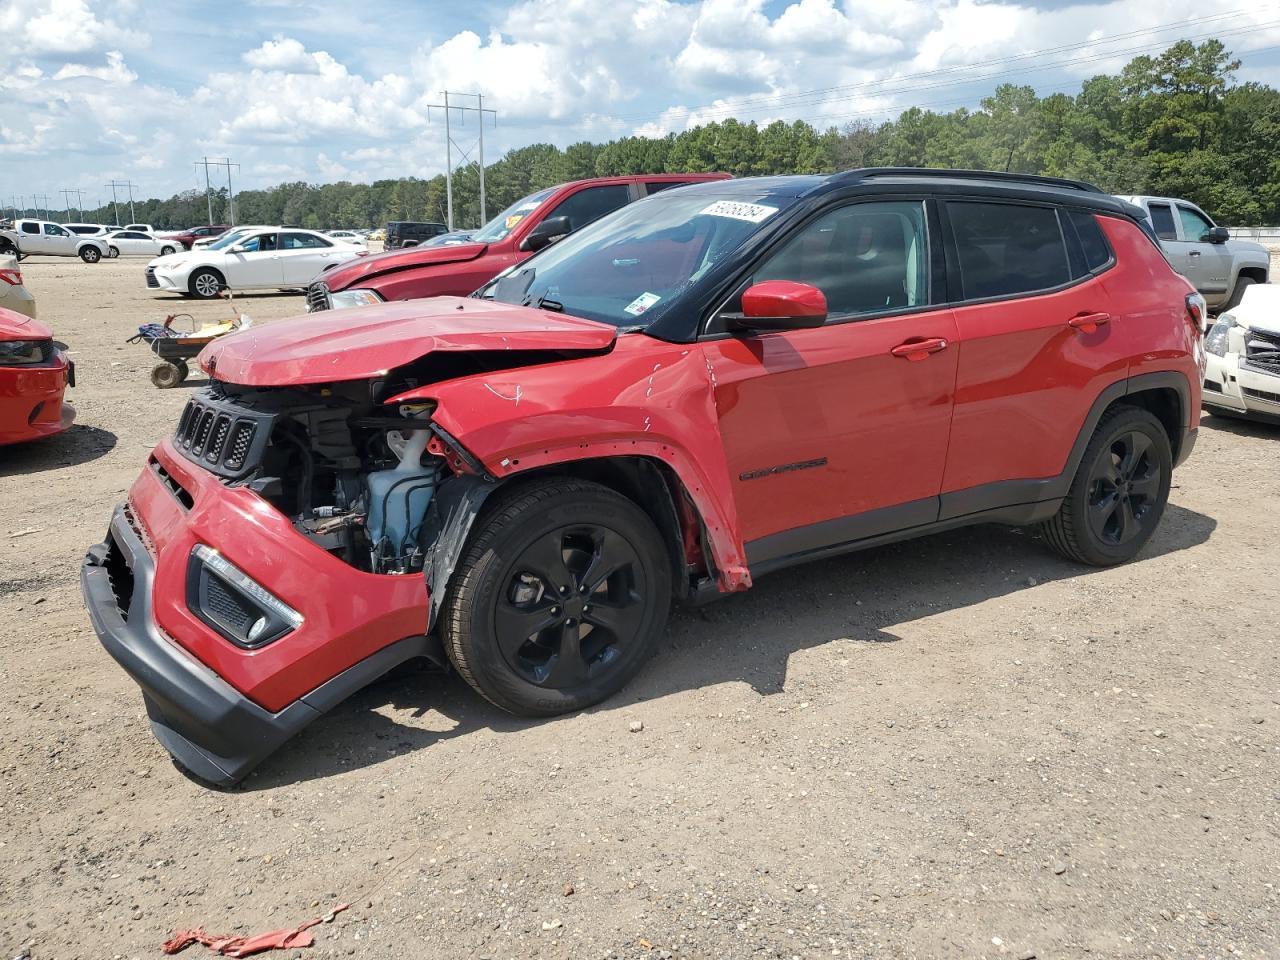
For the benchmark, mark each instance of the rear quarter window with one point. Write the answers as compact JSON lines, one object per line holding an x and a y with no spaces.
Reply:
{"x":1162,"y":220}
{"x":1006,"y":249}
{"x":1097,"y":254}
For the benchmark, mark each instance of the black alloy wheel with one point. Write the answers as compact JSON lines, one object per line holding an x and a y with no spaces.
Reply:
{"x":1119,"y":492}
{"x":559,"y":597}
{"x":572,"y":606}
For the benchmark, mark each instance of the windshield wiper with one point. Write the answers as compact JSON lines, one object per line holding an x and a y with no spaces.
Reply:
{"x":543,"y":303}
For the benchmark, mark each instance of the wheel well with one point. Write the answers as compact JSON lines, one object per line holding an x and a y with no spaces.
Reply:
{"x":1166,"y":404}
{"x":656,"y":489}
{"x":214,"y":270}
{"x":1256,"y":274}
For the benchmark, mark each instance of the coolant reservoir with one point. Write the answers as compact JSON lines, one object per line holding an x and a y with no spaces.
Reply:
{"x":398,"y":501}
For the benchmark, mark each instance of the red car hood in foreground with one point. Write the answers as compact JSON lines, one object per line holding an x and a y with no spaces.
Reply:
{"x":366,"y":342}
{"x":351,"y":273}
{"x":14,"y":326}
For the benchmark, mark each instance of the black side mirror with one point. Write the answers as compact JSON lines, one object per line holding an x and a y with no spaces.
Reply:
{"x":409,"y":243}
{"x":1218,"y":235}
{"x":546,"y":233}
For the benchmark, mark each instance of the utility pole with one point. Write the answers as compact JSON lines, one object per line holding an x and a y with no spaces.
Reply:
{"x":208,"y":194}
{"x":231,"y":193}
{"x":45,"y":197}
{"x":450,"y":145}
{"x":115,"y":202}
{"x":66,"y":197}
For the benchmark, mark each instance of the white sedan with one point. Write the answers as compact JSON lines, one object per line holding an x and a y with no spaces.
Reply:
{"x":348,"y":236}
{"x":134,"y":243}
{"x":263,"y":259}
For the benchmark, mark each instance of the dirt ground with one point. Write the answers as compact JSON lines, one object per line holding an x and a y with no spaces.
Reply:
{"x":950,"y":748}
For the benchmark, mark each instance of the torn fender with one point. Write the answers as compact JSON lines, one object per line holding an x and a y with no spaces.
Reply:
{"x":645,"y":398}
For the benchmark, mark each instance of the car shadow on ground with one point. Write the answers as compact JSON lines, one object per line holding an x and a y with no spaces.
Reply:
{"x":78,"y":444}
{"x":1241,"y":426}
{"x":746,"y":638}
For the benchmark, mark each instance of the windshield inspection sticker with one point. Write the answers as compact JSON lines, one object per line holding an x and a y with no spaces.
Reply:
{"x":751,"y":212}
{"x":641,"y":303}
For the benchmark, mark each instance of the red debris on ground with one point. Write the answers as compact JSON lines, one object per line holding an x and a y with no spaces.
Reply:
{"x":248,"y":946}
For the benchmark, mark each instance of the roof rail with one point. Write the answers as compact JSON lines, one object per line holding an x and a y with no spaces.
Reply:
{"x":871,"y":173}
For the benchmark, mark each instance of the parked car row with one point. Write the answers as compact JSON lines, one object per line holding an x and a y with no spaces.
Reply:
{"x":657,"y":388}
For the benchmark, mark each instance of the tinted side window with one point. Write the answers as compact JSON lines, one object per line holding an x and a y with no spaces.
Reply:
{"x":29,"y":227}
{"x":1162,"y":220}
{"x":1007,"y":248}
{"x":301,"y":241}
{"x":592,"y":204}
{"x":866,"y":258}
{"x":1096,"y":252}
{"x":651,"y":188}
{"x":1194,"y":225}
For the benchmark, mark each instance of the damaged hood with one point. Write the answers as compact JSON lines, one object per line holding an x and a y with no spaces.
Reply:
{"x":1259,"y":308}
{"x":14,"y":325}
{"x":366,"y":342}
{"x":350,"y":274}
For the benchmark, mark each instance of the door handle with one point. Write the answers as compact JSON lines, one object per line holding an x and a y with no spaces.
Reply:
{"x":1193,"y":253}
{"x":1089,"y":322}
{"x":919,"y":349}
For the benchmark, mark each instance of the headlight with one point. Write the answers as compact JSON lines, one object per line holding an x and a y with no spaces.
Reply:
{"x":23,"y":353}
{"x":353,"y":298}
{"x":1215,"y":341}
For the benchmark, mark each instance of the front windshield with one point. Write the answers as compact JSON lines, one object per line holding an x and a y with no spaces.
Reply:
{"x":227,"y":239}
{"x":633,"y":265}
{"x":500,"y":227}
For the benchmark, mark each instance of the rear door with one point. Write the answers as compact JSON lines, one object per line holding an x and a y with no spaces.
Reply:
{"x":303,"y":255}
{"x":838,"y":433}
{"x":31,"y":238}
{"x":1037,"y":343}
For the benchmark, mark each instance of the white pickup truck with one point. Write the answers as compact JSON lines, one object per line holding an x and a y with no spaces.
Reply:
{"x":1222,"y":269}
{"x":44,"y":237}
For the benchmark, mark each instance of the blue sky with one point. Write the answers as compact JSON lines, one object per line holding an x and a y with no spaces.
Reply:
{"x":295,"y":90}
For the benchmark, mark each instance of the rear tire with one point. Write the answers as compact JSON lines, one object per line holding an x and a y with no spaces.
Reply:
{"x":1242,"y":284}
{"x":90,"y":254}
{"x":559,"y":598}
{"x":166,"y":250}
{"x":206,"y":283}
{"x":1119,"y":492}
{"x":113,"y":252}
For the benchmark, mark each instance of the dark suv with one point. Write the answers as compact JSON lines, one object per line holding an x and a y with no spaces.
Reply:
{"x":697,"y":389}
{"x":409,"y":233}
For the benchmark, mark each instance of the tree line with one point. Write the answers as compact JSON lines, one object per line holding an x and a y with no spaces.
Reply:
{"x":1174,"y":124}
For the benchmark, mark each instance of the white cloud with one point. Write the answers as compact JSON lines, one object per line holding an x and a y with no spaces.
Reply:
{"x":283,"y":53}
{"x":64,"y":28}
{"x":115,"y":71}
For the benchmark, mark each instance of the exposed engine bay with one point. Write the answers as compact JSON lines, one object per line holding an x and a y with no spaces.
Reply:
{"x":353,"y":476}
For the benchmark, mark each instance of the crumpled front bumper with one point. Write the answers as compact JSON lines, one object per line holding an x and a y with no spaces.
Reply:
{"x":211,"y":728}
{"x":1231,"y":384}
{"x":217,"y":707}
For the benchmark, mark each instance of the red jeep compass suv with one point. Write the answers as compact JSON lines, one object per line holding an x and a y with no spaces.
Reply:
{"x":701,"y":387}
{"x":514,"y":235}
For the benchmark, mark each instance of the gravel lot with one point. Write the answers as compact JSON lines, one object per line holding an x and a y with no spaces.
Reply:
{"x":956,"y":747}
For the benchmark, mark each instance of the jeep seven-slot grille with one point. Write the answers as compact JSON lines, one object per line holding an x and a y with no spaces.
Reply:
{"x":318,"y":296}
{"x":222,"y":437}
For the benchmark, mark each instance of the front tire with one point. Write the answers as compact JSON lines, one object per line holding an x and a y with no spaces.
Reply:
{"x":1119,"y":492}
{"x":90,"y":254}
{"x":559,"y":598}
{"x":206,"y":283}
{"x":1242,"y":284}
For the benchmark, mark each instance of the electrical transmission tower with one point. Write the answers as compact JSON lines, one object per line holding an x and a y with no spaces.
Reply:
{"x":206,"y":162}
{"x":450,"y":145}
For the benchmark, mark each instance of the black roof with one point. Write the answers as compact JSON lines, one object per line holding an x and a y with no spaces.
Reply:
{"x":926,"y":180}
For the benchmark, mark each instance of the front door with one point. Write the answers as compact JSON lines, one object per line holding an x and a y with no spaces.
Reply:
{"x":1207,"y":265}
{"x":839,"y":433}
{"x":256,"y":264}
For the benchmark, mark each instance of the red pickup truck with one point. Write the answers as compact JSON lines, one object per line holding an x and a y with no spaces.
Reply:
{"x":516,"y":233}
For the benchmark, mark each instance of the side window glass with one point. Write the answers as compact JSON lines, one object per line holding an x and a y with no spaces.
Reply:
{"x":1097,"y":254}
{"x":591,"y":204}
{"x":1194,"y":225}
{"x":29,"y":227}
{"x":263,"y":241}
{"x":53,"y":230}
{"x":1162,"y":220}
{"x":651,"y":188}
{"x":865,"y":258}
{"x":1007,"y":248}
{"x":301,"y":241}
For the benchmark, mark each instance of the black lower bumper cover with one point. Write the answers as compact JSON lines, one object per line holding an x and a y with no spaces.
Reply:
{"x":212,"y":729}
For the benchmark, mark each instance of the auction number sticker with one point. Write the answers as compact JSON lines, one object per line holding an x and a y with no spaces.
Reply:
{"x":641,"y":303}
{"x":751,"y":212}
